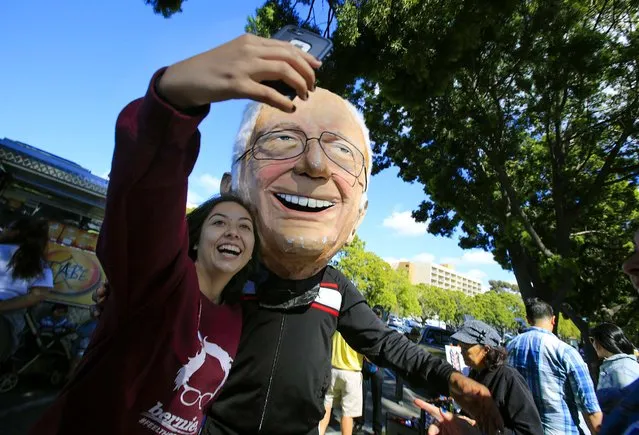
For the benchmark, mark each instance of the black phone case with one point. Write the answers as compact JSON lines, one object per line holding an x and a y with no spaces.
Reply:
{"x":319,"y":47}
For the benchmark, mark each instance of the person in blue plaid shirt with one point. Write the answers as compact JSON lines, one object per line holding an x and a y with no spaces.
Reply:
{"x":622,"y":420}
{"x":556,"y":374}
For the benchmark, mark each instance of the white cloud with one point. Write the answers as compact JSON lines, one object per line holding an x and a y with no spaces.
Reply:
{"x":201,"y":189}
{"x":450,"y":260}
{"x":477,"y":274}
{"x":404,"y":225}
{"x":394,"y":260}
{"x":424,"y":257}
{"x":477,"y":257}
{"x":193,"y":199}
{"x":210,"y":183}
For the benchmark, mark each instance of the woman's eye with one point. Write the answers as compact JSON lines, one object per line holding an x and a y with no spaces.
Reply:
{"x":218,"y":223}
{"x":246,"y":227}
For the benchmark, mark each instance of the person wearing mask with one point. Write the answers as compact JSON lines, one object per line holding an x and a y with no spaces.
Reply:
{"x":170,"y":331}
{"x":619,"y":367}
{"x":346,"y":385}
{"x":481,"y":349}
{"x":25,"y":277}
{"x":304,"y":164}
{"x":556,"y":374}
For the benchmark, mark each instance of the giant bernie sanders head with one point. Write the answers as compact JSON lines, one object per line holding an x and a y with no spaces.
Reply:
{"x":306,"y":174}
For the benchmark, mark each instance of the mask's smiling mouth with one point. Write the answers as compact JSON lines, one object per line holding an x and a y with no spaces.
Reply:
{"x":303,"y":203}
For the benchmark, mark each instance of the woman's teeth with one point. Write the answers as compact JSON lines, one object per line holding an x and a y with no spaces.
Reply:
{"x":229,"y":249}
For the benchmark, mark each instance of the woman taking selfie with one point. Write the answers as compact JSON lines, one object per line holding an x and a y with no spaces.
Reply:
{"x":170,"y":329}
{"x":482,"y":352}
{"x":619,"y":367}
{"x":25,"y":277}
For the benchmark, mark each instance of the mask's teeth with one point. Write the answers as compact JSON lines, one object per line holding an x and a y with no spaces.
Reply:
{"x":304,"y":201}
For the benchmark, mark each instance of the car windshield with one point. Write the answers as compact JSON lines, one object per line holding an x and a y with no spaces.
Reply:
{"x":436,"y":337}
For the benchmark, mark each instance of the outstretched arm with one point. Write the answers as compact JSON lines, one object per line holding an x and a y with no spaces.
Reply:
{"x":368,"y":335}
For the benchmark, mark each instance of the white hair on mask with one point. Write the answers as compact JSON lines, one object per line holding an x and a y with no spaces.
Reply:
{"x":245,"y":133}
{"x":242,"y":140}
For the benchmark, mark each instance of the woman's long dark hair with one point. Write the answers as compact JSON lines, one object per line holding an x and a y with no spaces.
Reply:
{"x":233,"y":290}
{"x":31,"y":235}
{"x":495,"y":356}
{"x":611,"y":337}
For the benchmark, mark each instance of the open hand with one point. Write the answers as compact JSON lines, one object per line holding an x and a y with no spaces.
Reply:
{"x":236,"y":69}
{"x":446,"y":422}
{"x":476,"y":400}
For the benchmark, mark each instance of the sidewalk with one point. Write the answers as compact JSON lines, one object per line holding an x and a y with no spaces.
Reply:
{"x":405,"y":409}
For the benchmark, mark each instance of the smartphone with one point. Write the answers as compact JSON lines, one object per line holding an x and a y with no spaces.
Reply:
{"x":306,"y":41}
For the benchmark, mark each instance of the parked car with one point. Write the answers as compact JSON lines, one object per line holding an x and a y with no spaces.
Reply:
{"x":394,"y":321}
{"x":435,"y":339}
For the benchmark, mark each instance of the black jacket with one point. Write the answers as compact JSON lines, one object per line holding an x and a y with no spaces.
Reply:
{"x":283,"y":365}
{"x":513,"y":398}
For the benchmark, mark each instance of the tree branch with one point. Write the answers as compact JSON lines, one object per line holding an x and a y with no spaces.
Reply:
{"x":512,"y":197}
{"x":310,"y":12}
{"x":593,"y":192}
{"x":603,"y":8}
{"x":620,"y":179}
{"x":582,"y":233}
{"x":582,"y":165}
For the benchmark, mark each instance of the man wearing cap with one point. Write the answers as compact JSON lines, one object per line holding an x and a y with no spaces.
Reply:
{"x":556,"y":374}
{"x":482,"y":352}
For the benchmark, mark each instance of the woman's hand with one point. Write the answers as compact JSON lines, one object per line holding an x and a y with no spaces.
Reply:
{"x":236,"y":69}
{"x":447,"y":423}
{"x":475,"y":399}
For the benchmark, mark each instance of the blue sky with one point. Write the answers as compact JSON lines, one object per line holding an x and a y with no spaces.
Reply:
{"x":68,"y":68}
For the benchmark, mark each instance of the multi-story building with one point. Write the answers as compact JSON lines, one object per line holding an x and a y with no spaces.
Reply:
{"x":439,"y":275}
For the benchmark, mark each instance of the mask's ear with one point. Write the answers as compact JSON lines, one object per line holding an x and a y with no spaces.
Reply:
{"x":360,"y":218}
{"x":225,"y":184}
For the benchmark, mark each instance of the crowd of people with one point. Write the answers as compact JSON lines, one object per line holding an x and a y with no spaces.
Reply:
{"x":230,"y":320}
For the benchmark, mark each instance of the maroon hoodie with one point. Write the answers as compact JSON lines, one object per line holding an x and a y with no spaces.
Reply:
{"x":162,"y":350}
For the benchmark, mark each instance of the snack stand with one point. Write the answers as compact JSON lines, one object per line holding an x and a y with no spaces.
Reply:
{"x":36,"y":183}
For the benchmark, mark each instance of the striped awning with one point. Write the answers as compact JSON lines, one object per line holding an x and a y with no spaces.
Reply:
{"x":38,"y":162}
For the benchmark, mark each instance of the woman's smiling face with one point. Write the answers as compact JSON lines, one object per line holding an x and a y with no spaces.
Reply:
{"x":226,"y":239}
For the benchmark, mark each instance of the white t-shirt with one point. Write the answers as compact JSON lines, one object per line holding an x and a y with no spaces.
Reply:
{"x":12,"y":288}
